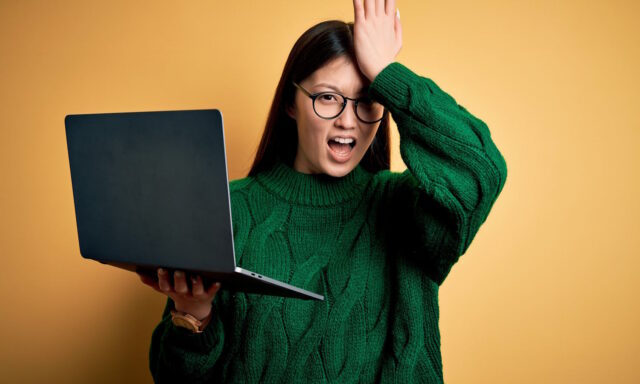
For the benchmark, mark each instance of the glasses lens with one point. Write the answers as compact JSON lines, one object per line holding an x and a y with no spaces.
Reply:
{"x":328,"y":105}
{"x":369,"y":111}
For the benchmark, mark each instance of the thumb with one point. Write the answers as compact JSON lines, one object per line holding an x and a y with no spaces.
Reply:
{"x":213,"y":289}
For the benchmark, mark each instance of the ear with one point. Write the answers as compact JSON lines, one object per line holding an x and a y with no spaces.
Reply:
{"x":291,"y":111}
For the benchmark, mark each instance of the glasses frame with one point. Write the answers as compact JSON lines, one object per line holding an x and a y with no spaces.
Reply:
{"x":345,"y":100}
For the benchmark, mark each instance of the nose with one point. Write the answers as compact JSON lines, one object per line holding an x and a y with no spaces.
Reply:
{"x":348,"y":119}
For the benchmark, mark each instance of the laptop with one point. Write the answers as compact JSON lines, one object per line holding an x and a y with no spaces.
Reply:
{"x":151,"y":190}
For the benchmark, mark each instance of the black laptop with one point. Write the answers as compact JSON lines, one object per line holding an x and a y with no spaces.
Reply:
{"x":151,"y":190}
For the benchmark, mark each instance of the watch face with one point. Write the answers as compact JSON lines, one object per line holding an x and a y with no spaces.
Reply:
{"x":180,"y":322}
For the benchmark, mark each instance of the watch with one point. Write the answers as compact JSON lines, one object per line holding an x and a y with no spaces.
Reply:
{"x":185,"y":320}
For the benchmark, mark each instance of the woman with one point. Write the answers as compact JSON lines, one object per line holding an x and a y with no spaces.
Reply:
{"x":321,"y":210}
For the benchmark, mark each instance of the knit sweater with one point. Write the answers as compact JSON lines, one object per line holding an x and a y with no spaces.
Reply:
{"x":377,"y":246}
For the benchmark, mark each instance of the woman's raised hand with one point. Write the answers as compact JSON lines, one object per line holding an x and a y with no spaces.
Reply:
{"x":377,"y":35}
{"x":195,"y":301}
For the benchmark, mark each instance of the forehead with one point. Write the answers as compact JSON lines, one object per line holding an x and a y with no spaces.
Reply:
{"x":341,"y":72}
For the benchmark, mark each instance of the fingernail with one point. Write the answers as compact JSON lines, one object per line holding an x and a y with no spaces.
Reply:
{"x":194,"y":280}
{"x":398,"y":12}
{"x":161,"y":270}
{"x":179,"y":273}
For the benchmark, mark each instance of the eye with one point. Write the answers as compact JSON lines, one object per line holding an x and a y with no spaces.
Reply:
{"x":328,"y":97}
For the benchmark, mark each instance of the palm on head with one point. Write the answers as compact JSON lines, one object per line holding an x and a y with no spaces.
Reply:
{"x":377,"y":35}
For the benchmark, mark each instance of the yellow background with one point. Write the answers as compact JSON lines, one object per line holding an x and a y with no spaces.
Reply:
{"x":548,"y":291}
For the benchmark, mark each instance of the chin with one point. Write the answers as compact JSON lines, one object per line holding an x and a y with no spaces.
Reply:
{"x":339,"y":170}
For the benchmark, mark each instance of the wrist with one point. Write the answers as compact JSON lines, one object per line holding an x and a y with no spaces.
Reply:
{"x":199,"y":312}
{"x":375,"y":71}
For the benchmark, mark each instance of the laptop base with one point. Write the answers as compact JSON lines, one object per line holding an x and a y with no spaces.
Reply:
{"x":239,"y":280}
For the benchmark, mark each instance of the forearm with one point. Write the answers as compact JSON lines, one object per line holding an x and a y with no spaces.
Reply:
{"x":178,"y":355}
{"x":454,"y":167}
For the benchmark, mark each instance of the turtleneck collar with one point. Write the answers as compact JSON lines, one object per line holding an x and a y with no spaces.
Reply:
{"x":313,"y":189}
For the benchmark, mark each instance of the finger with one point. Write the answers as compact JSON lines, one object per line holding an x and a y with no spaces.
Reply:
{"x":358,"y":11}
{"x":180,"y":282}
{"x":163,"y":280}
{"x":379,"y":7}
{"x":213,"y":289}
{"x":369,"y":8}
{"x":146,"y":279}
{"x":397,"y":27}
{"x":197,"y":289}
{"x":391,"y":7}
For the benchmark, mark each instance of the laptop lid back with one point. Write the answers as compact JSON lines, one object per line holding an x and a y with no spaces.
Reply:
{"x":151,"y":189}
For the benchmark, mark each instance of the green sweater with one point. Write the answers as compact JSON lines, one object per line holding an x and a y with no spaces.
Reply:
{"x":377,"y":246}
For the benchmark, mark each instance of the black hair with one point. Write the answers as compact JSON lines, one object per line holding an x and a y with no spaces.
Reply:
{"x":320,"y":44}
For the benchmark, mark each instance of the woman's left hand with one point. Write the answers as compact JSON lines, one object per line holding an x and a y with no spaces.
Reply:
{"x":377,"y":35}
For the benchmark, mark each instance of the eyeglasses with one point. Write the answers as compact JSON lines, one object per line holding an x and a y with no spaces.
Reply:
{"x":329,"y":105}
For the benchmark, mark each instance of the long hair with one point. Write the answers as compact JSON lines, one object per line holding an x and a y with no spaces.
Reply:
{"x":318,"y":45}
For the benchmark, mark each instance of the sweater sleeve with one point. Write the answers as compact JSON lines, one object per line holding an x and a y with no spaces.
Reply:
{"x":454,"y":170}
{"x":179,"y":356}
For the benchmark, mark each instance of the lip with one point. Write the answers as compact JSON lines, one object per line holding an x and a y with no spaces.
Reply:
{"x":339,"y":158}
{"x":343,"y":137}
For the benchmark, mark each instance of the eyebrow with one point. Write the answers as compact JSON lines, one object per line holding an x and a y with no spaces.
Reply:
{"x":362,"y":91}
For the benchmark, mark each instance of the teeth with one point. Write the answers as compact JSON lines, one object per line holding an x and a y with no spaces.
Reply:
{"x":343,"y":141}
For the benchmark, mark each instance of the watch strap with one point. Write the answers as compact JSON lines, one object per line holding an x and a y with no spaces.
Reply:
{"x":186,"y":320}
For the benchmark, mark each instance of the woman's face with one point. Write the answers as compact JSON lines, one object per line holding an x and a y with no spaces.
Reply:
{"x":318,"y":151}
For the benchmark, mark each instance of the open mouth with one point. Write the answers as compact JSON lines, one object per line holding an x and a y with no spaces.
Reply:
{"x":342,"y":146}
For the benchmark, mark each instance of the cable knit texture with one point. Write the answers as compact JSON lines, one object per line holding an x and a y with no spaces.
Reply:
{"x":377,"y":246}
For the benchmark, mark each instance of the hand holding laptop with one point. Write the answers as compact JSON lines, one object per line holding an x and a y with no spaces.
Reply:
{"x":151,"y":189}
{"x":194,"y":299}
